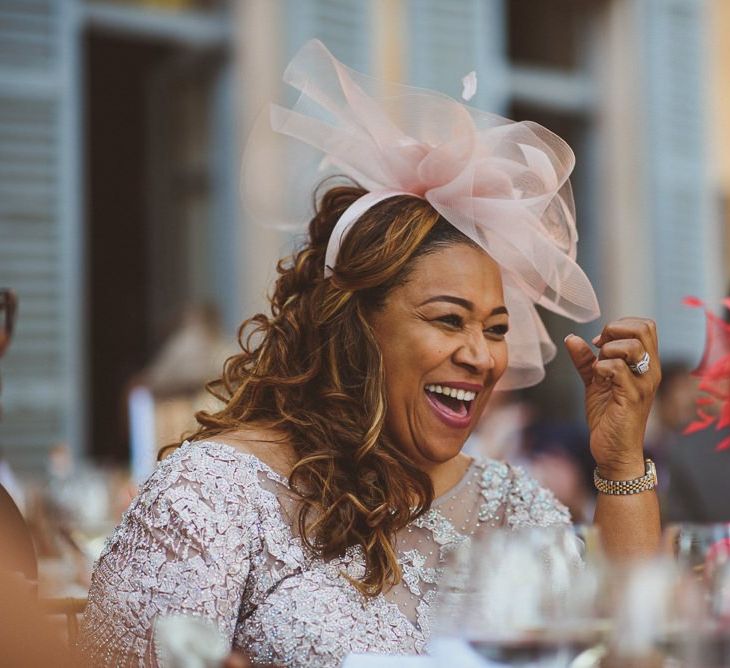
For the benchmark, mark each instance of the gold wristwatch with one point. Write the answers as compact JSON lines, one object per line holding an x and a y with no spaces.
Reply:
{"x":623,"y":487}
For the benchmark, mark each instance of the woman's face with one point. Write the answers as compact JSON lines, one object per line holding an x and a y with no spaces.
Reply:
{"x":441,"y":335}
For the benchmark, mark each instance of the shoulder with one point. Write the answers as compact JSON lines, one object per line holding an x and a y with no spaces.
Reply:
{"x":201,"y":484}
{"x":201,"y":462}
{"x":269,"y":446}
{"x":523,"y":500}
{"x":186,"y":545}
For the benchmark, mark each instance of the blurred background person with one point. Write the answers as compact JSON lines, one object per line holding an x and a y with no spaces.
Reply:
{"x":8,"y":309}
{"x":17,"y":555}
{"x":164,"y":397}
{"x":558,"y":456}
{"x":25,"y":637}
{"x":192,"y":355}
{"x":673,"y":411}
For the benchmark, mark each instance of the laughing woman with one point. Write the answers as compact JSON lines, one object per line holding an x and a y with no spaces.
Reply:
{"x":308,"y":518}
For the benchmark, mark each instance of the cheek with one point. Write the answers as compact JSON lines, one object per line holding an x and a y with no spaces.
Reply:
{"x":417,"y":354}
{"x":406,"y":366}
{"x":500,"y":355}
{"x":503,"y":358}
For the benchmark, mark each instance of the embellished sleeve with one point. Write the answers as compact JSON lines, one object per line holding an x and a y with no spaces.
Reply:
{"x":528,"y":504}
{"x":183,"y":547}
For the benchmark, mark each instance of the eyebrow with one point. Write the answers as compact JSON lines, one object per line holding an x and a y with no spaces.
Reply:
{"x":465,"y":303}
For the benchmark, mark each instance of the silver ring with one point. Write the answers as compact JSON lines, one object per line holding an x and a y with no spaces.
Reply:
{"x":642,"y":366}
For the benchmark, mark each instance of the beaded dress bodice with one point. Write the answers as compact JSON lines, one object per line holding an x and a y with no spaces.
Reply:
{"x":212,"y":534}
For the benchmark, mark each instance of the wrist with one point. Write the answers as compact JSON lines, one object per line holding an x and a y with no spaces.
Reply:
{"x":627,"y":486}
{"x":624,"y":470}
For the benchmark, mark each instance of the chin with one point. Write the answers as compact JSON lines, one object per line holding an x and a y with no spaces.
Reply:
{"x":441,"y":450}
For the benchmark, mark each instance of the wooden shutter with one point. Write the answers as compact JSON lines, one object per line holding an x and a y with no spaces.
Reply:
{"x":683,"y":226}
{"x":447,"y":40}
{"x":39,"y":229}
{"x":345,"y":27}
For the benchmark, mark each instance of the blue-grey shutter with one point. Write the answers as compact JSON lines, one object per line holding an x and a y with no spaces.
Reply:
{"x":447,"y":40}
{"x":681,"y":217}
{"x":39,"y":228}
{"x":344,"y":26}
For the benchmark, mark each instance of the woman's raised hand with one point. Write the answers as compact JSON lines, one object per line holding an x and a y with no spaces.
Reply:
{"x":618,"y":400}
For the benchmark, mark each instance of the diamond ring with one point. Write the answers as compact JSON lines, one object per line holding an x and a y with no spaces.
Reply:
{"x":642,"y":366}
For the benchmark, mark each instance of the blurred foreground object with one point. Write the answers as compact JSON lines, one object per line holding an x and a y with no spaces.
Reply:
{"x":524,"y":598}
{"x":184,"y":641}
{"x":26,"y":636}
{"x":520,"y":598}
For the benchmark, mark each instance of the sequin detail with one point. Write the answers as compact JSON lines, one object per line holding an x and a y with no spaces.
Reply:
{"x":211,"y":535}
{"x":530,"y":505}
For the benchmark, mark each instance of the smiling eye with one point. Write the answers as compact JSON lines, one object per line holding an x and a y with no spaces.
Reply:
{"x":452,"y":320}
{"x":497,"y":330}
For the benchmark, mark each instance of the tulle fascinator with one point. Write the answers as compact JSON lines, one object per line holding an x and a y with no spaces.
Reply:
{"x":503,"y":184}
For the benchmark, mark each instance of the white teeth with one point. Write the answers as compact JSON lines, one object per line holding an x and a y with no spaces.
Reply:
{"x":463,"y":395}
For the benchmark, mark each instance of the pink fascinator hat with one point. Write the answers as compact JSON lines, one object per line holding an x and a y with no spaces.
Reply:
{"x":502,"y":184}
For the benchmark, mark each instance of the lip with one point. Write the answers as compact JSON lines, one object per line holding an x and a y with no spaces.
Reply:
{"x":450,"y":420}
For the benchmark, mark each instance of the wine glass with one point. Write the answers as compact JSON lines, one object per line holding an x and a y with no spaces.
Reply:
{"x":675,"y":606}
{"x":704,"y":551}
{"x":520,"y":597}
{"x":655,"y":605}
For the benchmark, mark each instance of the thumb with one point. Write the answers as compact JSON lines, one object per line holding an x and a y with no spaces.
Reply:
{"x":582,"y":356}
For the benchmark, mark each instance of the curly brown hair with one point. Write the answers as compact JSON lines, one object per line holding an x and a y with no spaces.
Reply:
{"x":312,"y":370}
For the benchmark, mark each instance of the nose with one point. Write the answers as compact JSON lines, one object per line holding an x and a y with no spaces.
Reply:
{"x":475,"y":354}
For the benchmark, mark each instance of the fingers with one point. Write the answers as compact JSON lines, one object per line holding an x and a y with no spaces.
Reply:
{"x":621,"y":342}
{"x":642,"y":329}
{"x":582,"y":357}
{"x":629,"y":350}
{"x":628,"y":339}
{"x":616,"y":372}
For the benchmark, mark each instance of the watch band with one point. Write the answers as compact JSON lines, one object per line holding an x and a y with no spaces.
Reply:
{"x":623,"y":487}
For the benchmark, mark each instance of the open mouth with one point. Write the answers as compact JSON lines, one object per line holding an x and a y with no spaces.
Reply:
{"x":450,"y":401}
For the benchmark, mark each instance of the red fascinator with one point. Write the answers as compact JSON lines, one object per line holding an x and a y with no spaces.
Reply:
{"x":713,"y":406}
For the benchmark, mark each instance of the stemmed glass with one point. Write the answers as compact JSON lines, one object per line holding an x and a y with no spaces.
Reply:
{"x":676,"y":607}
{"x":703,"y":552}
{"x":521,"y":597}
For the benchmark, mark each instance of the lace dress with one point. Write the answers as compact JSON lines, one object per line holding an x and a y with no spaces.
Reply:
{"x":211,"y":535}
